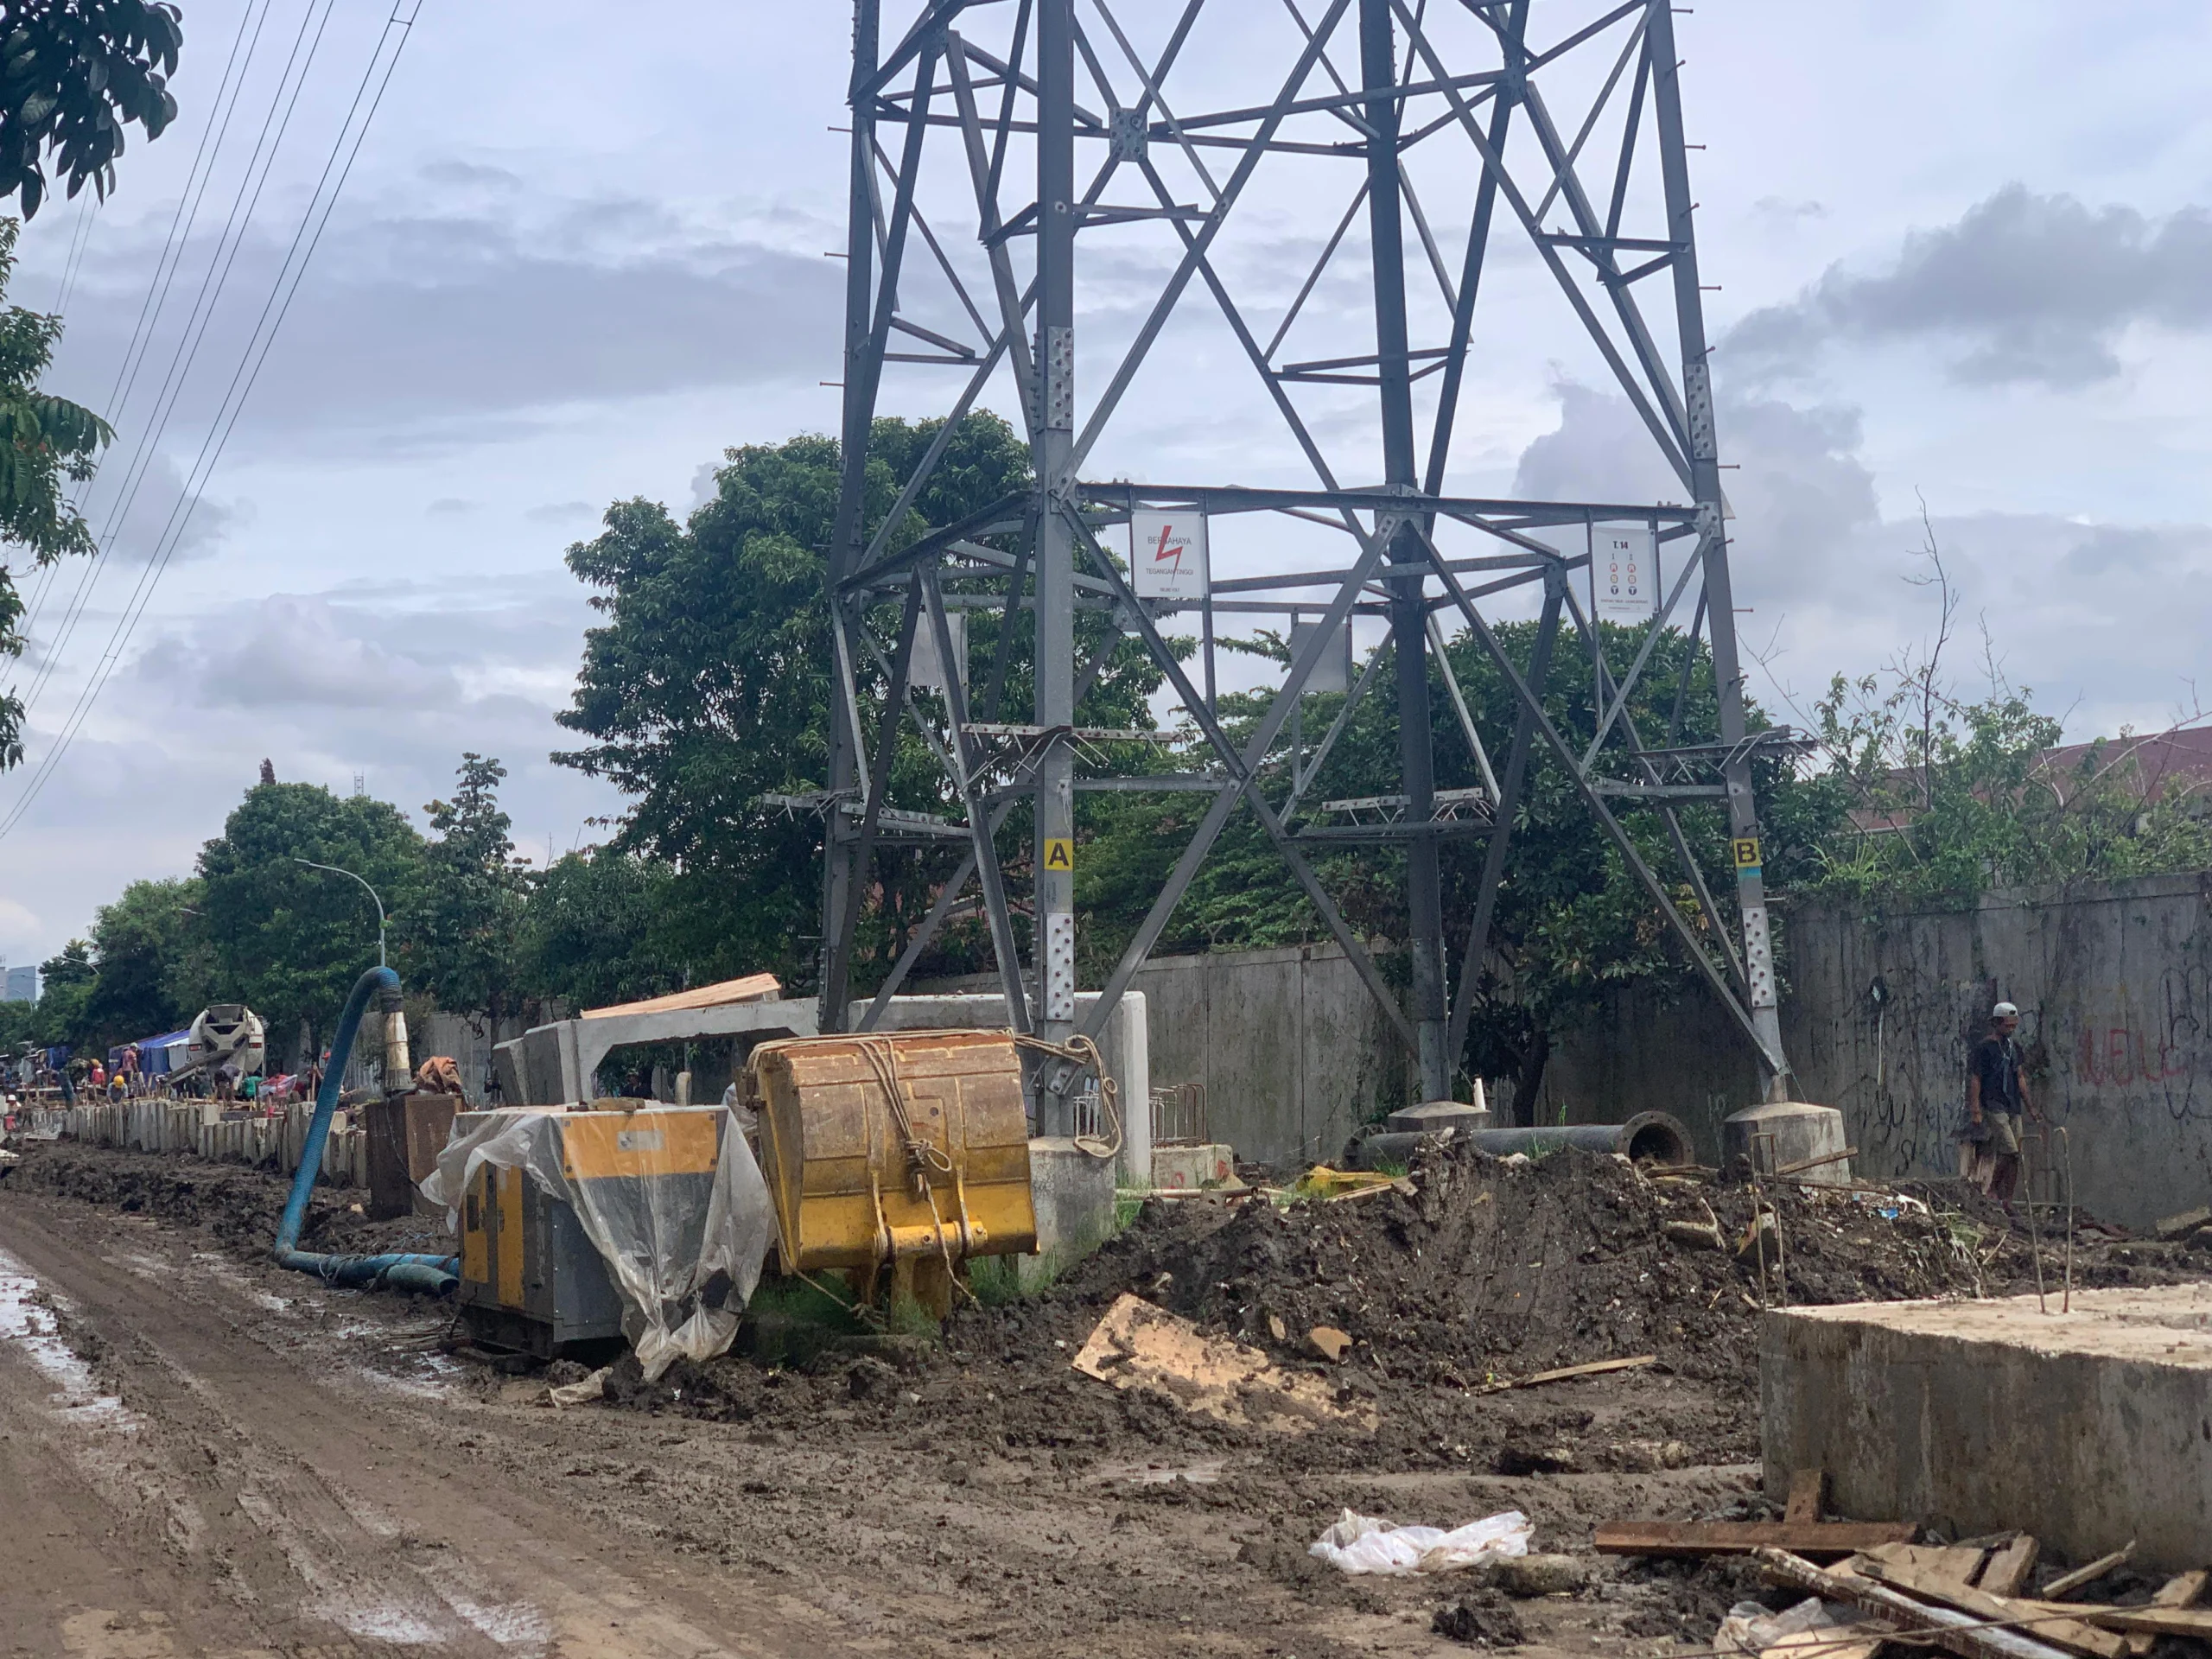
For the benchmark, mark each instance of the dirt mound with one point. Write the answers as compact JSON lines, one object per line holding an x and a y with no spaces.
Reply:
{"x":1496,"y":1267}
{"x":238,"y":1204}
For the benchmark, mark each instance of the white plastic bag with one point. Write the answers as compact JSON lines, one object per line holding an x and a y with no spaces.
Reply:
{"x":1365,"y":1543}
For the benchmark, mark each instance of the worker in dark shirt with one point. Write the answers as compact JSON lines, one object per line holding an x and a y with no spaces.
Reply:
{"x":1997,"y":1093}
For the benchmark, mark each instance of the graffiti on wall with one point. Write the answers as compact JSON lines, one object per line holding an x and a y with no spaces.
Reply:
{"x":2141,"y":1046}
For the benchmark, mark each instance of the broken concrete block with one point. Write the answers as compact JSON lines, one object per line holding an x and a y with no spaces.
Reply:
{"x":1538,"y":1575}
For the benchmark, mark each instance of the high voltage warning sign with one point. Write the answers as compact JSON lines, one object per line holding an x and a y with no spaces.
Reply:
{"x":1060,"y":854}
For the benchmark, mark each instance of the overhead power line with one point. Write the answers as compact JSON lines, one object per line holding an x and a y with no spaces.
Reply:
{"x":338,"y":166}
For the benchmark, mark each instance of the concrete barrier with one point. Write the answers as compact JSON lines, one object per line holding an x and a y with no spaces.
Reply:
{"x":158,"y":1125}
{"x":2087,"y":1428}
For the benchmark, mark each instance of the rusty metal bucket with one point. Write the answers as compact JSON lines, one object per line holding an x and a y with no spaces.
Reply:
{"x":906,"y":1152}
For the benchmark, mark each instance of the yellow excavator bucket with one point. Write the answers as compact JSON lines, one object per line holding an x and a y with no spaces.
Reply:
{"x":906,"y":1151}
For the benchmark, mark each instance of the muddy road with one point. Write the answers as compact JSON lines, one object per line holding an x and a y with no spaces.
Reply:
{"x":200,"y":1454}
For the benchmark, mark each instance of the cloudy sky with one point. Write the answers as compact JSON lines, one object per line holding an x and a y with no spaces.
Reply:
{"x":1963,"y":253}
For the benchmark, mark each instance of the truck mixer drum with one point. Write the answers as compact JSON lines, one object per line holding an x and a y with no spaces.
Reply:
{"x":227,"y":1033}
{"x":904,"y":1154}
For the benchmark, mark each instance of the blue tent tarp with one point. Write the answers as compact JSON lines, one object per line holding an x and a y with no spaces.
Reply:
{"x":158,"y":1056}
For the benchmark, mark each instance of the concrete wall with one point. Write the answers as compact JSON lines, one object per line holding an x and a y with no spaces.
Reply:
{"x":2114,"y":988}
{"x":1292,"y":1051}
{"x":468,"y":1043}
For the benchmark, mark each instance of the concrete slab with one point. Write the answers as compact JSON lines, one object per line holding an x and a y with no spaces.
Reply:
{"x":1800,"y":1132}
{"x":2087,"y":1428}
{"x":1074,"y":1194}
{"x":1188,"y":1169}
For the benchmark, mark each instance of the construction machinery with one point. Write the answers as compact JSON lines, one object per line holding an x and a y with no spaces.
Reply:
{"x":896,"y":1159}
{"x":532,"y":1276}
{"x":224,"y":1037}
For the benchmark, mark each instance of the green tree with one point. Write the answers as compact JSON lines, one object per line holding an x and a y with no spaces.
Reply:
{"x":73,"y":74}
{"x":66,"y":982}
{"x":593,"y":933}
{"x":46,"y":442}
{"x":462,"y":923}
{"x":1948,"y":792}
{"x":707,"y":688}
{"x":287,"y":940}
{"x":150,"y":961}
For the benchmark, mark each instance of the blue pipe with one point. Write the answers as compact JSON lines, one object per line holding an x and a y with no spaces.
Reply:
{"x":435,"y":1275}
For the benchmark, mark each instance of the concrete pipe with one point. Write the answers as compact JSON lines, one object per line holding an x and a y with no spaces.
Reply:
{"x":1653,"y":1137}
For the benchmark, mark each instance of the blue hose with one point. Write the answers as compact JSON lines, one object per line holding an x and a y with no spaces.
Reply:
{"x":435,"y":1275}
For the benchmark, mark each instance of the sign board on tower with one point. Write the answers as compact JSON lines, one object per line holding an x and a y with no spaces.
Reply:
{"x":1167,"y":554}
{"x":1624,"y":574}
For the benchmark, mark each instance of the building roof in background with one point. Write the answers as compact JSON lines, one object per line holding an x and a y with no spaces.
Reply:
{"x":754,"y":987}
{"x":2176,"y":762}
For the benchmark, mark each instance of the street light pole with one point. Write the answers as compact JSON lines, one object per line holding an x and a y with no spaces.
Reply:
{"x":334,"y":870}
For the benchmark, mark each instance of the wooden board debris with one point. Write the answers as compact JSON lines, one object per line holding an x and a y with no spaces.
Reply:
{"x":1137,"y":1345}
{"x":2090,"y":1574}
{"x":1932,"y":1583}
{"x":1566,"y":1373}
{"x":1945,"y":1627}
{"x":1693,"y":1538}
{"x":2178,"y":1591}
{"x":1808,"y":1489}
{"x":2009,"y":1568}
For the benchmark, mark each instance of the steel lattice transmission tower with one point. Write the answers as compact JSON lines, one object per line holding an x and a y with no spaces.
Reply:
{"x":1451,"y":145}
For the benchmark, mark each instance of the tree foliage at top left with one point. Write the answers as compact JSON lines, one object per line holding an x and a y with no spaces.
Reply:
{"x":45,"y":443}
{"x":73,"y":74}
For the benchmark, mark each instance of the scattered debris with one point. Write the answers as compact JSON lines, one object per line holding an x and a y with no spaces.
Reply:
{"x":1812,"y":1629}
{"x":2187,"y":1222}
{"x":2008,"y":1570}
{"x":1964,"y":1634}
{"x":578,"y":1394}
{"x":1137,"y":1345}
{"x":1366,"y":1543}
{"x":1899,"y":1572}
{"x":1694,"y":1235}
{"x":2090,"y":1573}
{"x":1483,"y":1620}
{"x":1567,"y":1373}
{"x":1807,"y":1496}
{"x":1329,"y":1342}
{"x":1531,"y":1576}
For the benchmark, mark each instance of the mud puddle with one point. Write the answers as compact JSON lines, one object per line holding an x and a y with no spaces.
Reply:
{"x":30,"y":1325}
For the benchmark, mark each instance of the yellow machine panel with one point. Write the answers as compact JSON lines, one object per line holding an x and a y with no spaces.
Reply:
{"x":908,"y":1150}
{"x":530,"y":1278}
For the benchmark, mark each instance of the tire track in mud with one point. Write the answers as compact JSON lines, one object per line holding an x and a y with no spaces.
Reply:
{"x":257,"y":1504}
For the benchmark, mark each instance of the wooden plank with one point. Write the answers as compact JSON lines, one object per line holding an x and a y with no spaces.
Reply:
{"x":1944,"y":1627}
{"x":2057,"y":1587}
{"x":2158,"y":1621}
{"x":2177,"y":1592}
{"x":1594,"y":1368}
{"x":1948,"y":1563}
{"x":754,"y":987}
{"x":2059,"y":1630}
{"x":1808,"y":1487}
{"x":2009,"y":1568}
{"x":1803,"y":1164}
{"x":1693,"y":1538}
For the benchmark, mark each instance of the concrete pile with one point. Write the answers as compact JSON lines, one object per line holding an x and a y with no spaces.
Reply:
{"x":200,"y":1128}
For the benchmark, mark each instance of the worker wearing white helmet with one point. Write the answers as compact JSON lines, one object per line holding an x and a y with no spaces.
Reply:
{"x":1997,"y":1093}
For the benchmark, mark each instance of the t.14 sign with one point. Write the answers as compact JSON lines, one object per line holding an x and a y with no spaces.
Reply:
{"x":1624,"y":574}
